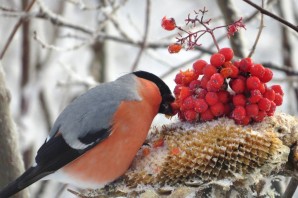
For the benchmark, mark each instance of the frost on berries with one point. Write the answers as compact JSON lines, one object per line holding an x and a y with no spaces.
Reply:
{"x":224,"y":87}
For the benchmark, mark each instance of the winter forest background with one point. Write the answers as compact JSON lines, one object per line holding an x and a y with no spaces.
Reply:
{"x":62,"y":48}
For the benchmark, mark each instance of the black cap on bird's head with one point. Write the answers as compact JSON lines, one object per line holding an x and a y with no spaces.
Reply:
{"x":165,"y":92}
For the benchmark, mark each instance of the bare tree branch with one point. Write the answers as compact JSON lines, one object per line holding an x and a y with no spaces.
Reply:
{"x":230,"y":15}
{"x":266,"y":12}
{"x":258,"y":35}
{"x":14,"y":31}
{"x":143,"y":45}
{"x":291,"y":188}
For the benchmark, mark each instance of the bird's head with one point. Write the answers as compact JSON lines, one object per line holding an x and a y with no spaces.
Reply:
{"x":165,"y":92}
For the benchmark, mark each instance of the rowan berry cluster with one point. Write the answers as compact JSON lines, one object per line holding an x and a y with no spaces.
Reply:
{"x":223,"y":87}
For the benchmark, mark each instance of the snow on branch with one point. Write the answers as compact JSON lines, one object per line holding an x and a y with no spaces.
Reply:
{"x":218,"y":158}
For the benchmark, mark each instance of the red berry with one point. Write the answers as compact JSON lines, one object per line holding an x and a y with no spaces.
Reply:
{"x":211,"y":88}
{"x":227,"y":109}
{"x":201,"y":105}
{"x":278,"y":99}
{"x":237,"y":85}
{"x":245,"y":64}
{"x":255,"y":96}
{"x":209,"y":70}
{"x":198,"y":66}
{"x":217,"y":109}
{"x":184,"y":93}
{"x":217,"y":59}
{"x":270,"y":94}
{"x":168,"y":23}
{"x":262,"y":88}
{"x":252,"y":82}
{"x":257,"y":70}
{"x":227,"y":64}
{"x":239,"y":113}
{"x":204,"y":81}
{"x":245,"y":121}
{"x":272,"y":109}
{"x":177,"y":90}
{"x":252,"y":110}
{"x":181,"y":116}
{"x":178,"y":78}
{"x":211,"y":98}
{"x":264,"y":104}
{"x":175,"y":106}
{"x":226,"y":72}
{"x":239,"y":100}
{"x":235,"y":71}
{"x":201,"y":93}
{"x":188,"y":103}
{"x":227,"y":52}
{"x":223,"y":96}
{"x":237,"y":63}
{"x":277,"y":89}
{"x":268,"y":74}
{"x":207,"y":115}
{"x":260,"y":117}
{"x":216,"y":80}
{"x":190,"y":115}
{"x":194,"y":85}
{"x":174,"y":48}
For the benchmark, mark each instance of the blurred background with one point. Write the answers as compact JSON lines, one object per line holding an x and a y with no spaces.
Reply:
{"x":64,"y":47}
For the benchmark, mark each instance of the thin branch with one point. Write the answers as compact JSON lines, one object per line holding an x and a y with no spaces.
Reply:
{"x":3,"y":8}
{"x":259,"y":33}
{"x":291,"y":188}
{"x":229,"y":12}
{"x":286,"y":69}
{"x":60,"y":21}
{"x":53,"y":47}
{"x":15,"y":29}
{"x":266,"y":12}
{"x":144,"y":43}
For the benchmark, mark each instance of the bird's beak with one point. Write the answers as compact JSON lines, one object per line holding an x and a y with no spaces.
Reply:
{"x":166,"y":107}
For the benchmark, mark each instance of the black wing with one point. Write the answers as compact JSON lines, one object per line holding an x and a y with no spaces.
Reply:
{"x":52,"y":155}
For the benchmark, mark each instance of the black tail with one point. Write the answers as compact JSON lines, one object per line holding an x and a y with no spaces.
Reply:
{"x":29,"y":177}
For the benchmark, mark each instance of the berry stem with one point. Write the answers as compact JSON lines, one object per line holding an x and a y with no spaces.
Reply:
{"x":214,"y":40}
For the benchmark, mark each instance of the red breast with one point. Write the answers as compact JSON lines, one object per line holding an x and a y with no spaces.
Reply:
{"x":111,"y":158}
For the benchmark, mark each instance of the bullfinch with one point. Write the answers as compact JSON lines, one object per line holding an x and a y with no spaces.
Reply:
{"x":95,"y":138}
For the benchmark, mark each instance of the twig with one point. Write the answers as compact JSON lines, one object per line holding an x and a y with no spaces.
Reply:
{"x":60,"y":191}
{"x":16,"y":27}
{"x":259,"y":33}
{"x":291,"y":188}
{"x":53,"y":47}
{"x":144,"y":43}
{"x":266,"y":12}
{"x":3,"y":8}
{"x":74,"y":192}
{"x":286,"y":69}
{"x":60,"y":21}
{"x":229,"y":12}
{"x":288,"y":79}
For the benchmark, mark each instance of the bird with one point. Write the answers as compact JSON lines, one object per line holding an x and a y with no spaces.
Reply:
{"x":96,"y":137}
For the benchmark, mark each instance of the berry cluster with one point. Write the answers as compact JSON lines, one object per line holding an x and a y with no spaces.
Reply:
{"x":223,"y":87}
